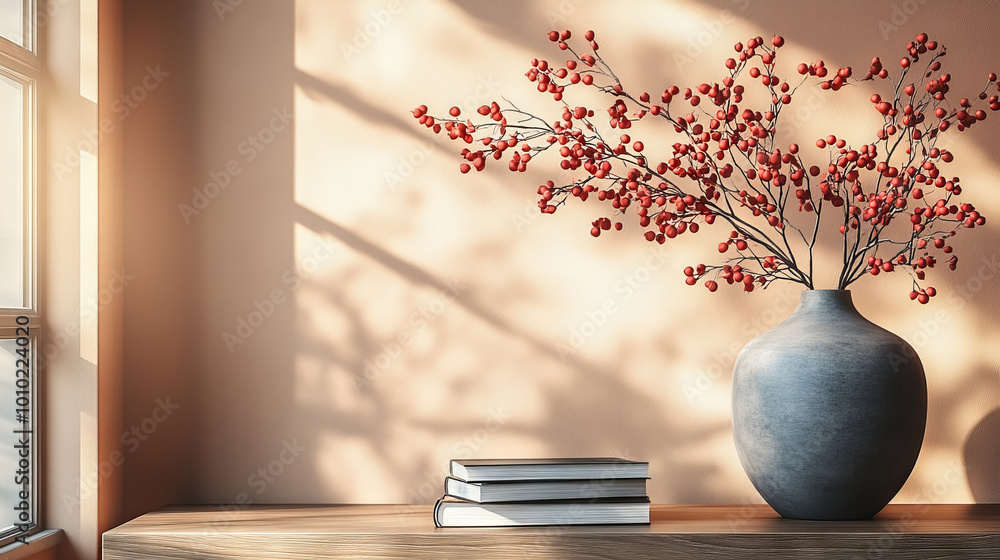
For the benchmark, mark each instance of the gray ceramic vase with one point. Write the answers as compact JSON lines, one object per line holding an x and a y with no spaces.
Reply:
{"x":828,"y":411}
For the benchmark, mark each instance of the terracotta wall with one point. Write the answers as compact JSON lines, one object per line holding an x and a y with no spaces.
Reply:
{"x":335,"y":311}
{"x":49,"y":554}
{"x":159,"y":442}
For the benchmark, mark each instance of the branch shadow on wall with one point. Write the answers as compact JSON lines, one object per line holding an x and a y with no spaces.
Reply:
{"x":567,"y":428}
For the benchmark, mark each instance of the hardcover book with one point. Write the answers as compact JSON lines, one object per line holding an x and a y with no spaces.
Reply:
{"x":505,"y":470}
{"x":449,"y":512}
{"x":491,"y":492}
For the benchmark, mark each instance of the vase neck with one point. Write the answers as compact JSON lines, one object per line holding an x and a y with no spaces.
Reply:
{"x":826,"y":301}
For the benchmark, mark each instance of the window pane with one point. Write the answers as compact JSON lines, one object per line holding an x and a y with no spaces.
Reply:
{"x":8,"y":439}
{"x":11,"y":193}
{"x":12,"y":21}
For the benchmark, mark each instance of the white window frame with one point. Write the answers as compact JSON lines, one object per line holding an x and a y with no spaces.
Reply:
{"x":22,"y":64}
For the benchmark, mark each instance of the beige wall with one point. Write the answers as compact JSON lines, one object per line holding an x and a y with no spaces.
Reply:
{"x":480,"y":289}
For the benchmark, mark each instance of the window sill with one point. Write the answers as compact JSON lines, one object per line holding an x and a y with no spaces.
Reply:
{"x":39,"y":542}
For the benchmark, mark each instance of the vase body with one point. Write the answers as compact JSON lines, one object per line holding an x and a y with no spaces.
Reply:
{"x":829,"y":411}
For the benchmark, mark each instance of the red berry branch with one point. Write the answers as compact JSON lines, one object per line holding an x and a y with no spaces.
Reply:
{"x":893,"y":204}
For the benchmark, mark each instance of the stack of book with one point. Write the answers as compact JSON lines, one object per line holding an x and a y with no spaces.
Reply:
{"x":516,"y":492}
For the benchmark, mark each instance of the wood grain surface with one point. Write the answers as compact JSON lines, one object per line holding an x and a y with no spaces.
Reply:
{"x":675,"y":531}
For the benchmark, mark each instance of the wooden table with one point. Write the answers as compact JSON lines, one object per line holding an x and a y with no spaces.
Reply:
{"x":704,"y":532}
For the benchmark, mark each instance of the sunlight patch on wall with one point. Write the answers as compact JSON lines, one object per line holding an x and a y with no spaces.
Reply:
{"x":89,"y":475}
{"x":571,"y":335}
{"x":938,"y":478}
{"x":88,"y":257}
{"x":88,"y":50}
{"x":343,"y":462}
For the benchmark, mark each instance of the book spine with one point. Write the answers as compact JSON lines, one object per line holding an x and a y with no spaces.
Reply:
{"x":462,"y":490}
{"x":437,"y":513}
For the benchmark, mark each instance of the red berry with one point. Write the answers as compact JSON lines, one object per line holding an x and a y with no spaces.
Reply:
{"x":778,"y":40}
{"x":712,"y":285}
